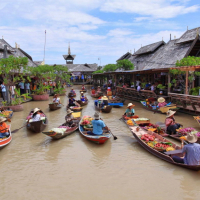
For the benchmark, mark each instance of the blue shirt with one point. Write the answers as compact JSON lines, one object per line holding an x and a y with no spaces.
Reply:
{"x":129,"y":112}
{"x":21,"y":85}
{"x":27,"y":85}
{"x":82,"y":98}
{"x":97,"y":127}
{"x":3,"y":88}
{"x":71,"y":101}
{"x":192,"y":154}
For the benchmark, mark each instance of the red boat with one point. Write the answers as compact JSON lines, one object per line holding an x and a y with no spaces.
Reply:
{"x":7,"y":140}
{"x":99,"y":139}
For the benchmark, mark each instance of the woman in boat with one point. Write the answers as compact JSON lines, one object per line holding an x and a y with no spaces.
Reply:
{"x":191,"y":150}
{"x":161,"y":102}
{"x":93,"y":91}
{"x":170,"y":123}
{"x":35,"y":115}
{"x":98,"y":126}
{"x":72,"y":102}
{"x":72,"y":91}
{"x":130,"y":111}
{"x":56,"y":99}
{"x":4,"y":131}
{"x":69,"y":118}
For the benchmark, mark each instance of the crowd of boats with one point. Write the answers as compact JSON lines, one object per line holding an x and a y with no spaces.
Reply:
{"x":153,"y":137}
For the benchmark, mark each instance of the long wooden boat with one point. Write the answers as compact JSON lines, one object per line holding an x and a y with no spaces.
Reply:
{"x":164,"y":109}
{"x":82,"y":103}
{"x":37,"y":126}
{"x":117,"y":101}
{"x":54,"y":106}
{"x":161,"y":155}
{"x":7,"y":140}
{"x":99,"y":139}
{"x":106,"y":109}
{"x":56,"y":135}
{"x":70,"y":94}
{"x":97,"y":94}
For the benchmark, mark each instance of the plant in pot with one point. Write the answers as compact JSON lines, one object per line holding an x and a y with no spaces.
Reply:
{"x":161,"y":88}
{"x":14,"y":70}
{"x":43,"y":73}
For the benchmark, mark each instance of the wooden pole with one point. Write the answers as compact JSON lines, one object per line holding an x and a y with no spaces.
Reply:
{"x":186,"y":83}
{"x":169,"y":80}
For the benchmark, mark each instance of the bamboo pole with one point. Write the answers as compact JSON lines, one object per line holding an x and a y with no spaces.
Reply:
{"x":169,"y":80}
{"x":186,"y":83}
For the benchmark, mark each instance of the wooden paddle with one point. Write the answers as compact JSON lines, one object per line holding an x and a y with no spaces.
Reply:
{"x":18,"y":129}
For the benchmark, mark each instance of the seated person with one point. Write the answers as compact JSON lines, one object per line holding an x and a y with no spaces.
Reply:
{"x":83,"y":98}
{"x":103,"y":101}
{"x":69,"y":118}
{"x":72,"y":102}
{"x":4,"y":131}
{"x":93,"y":91}
{"x":98,"y":126}
{"x":36,"y":115}
{"x":161,"y":102}
{"x":72,"y":91}
{"x":130,"y":111}
{"x":56,"y":99}
{"x":98,"y":89}
{"x":170,"y":123}
{"x":191,"y":151}
{"x":83,"y":87}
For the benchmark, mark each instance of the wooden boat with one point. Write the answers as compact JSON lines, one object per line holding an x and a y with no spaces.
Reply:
{"x":105,"y":109}
{"x":37,"y":126}
{"x":118,"y":100}
{"x":99,"y":139}
{"x":164,"y":109}
{"x":70,"y":94}
{"x":54,"y":106}
{"x":161,"y":155}
{"x":7,"y":140}
{"x":57,"y":136}
{"x":97,"y":94}
{"x":83,"y":90}
{"x":197,"y":118}
{"x":82,"y":103}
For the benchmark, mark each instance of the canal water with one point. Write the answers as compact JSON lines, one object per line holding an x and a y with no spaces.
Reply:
{"x":33,"y":166}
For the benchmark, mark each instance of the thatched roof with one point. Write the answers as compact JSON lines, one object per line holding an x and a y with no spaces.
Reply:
{"x":125,"y":56}
{"x":69,"y":56}
{"x":16,"y":52}
{"x":188,"y":36}
{"x":168,"y":55}
{"x":82,"y":67}
{"x":149,"y":48}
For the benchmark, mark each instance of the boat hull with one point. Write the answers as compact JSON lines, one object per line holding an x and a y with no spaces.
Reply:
{"x":6,"y":141}
{"x":54,"y":106}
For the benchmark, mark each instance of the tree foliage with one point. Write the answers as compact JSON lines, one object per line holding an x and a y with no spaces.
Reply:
{"x":109,"y":68}
{"x":188,"y":61}
{"x":125,"y":64}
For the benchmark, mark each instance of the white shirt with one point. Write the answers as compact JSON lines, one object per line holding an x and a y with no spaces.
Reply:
{"x":36,"y":118}
{"x":12,"y":90}
{"x":137,"y":83}
{"x":138,"y":88}
{"x":152,"y":88}
{"x":56,"y":100}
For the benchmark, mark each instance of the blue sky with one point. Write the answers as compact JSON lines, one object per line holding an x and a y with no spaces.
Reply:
{"x":104,"y":29}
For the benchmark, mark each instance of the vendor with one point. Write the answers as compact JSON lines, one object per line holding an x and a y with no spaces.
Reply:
{"x":83,"y":98}
{"x":83,"y":87}
{"x":98,"y":126}
{"x":93,"y":90}
{"x":130,"y":111}
{"x":36,"y":115}
{"x":69,"y":118}
{"x":56,"y":99}
{"x":191,"y":150}
{"x":161,"y":102}
{"x":72,"y":102}
{"x":170,"y":123}
{"x":4,"y":131}
{"x":72,"y":91}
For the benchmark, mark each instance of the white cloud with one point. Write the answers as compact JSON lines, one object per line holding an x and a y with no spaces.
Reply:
{"x":154,"y":8}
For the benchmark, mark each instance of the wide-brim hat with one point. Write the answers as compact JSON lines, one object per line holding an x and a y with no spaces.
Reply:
{"x":170,"y":113}
{"x":130,"y":104}
{"x":161,"y":100}
{"x":69,"y":111}
{"x":82,"y":92}
{"x":104,"y":98}
{"x":36,"y":110}
{"x":191,"y":138}
{"x":96,"y":115}
{"x":2,"y":119}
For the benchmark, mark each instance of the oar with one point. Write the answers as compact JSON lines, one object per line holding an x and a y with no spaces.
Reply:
{"x":18,"y":129}
{"x":115,"y":137}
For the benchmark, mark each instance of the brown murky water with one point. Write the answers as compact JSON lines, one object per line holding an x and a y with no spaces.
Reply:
{"x":33,"y":166}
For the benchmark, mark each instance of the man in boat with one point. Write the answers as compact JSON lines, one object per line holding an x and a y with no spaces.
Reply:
{"x":70,"y":118}
{"x":83,"y":87}
{"x":4,"y":132}
{"x":56,"y":99}
{"x":170,"y":123}
{"x":191,"y":151}
{"x":103,"y":101}
{"x":72,"y":102}
{"x":83,"y":98}
{"x":98,"y":126}
{"x":161,"y":102}
{"x":130,"y":111}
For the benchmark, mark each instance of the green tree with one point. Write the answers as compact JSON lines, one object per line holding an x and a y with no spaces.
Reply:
{"x":98,"y":72}
{"x":125,"y":64}
{"x":109,"y":68}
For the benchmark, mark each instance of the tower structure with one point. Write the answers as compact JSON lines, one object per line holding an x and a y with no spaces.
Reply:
{"x":69,"y":58}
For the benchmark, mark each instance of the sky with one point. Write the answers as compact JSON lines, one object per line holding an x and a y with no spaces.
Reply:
{"x":99,"y":31}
